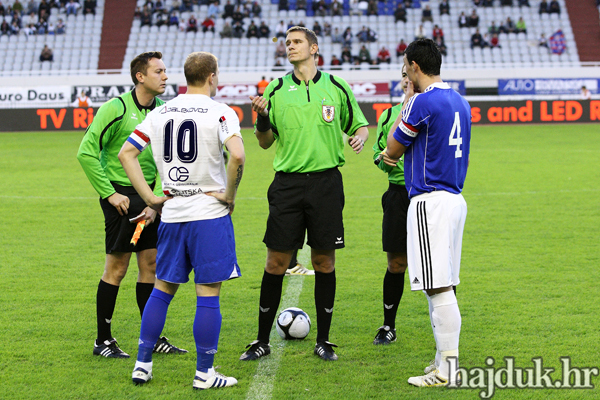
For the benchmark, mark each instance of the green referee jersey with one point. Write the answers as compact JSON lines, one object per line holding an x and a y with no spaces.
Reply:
{"x":386,"y":120}
{"x":99,"y":149}
{"x":309,"y":121}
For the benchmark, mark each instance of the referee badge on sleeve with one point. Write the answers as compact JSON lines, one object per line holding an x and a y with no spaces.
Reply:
{"x":328,"y":113}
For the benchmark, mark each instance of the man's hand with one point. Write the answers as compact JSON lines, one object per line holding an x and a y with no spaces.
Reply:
{"x":392,"y":162}
{"x":120,"y":202}
{"x":411,"y":89}
{"x":358,"y":140}
{"x":156,"y":203}
{"x":223,"y":199}
{"x":259,"y":104}
{"x":150,"y":215}
{"x":356,"y":143}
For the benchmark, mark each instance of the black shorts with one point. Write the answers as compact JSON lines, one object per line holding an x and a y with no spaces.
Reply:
{"x":306,"y":202}
{"x":118,"y":228}
{"x":395,"y":207}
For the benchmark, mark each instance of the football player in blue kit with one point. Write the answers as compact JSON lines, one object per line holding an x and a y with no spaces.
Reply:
{"x":434,"y":134}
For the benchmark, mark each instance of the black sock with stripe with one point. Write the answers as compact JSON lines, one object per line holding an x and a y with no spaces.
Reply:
{"x":324,"y":298}
{"x":270,"y":296}
{"x":393,"y":288}
{"x":106,"y":298}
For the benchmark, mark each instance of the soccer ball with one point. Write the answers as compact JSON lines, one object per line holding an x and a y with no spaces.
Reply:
{"x":293,"y":324}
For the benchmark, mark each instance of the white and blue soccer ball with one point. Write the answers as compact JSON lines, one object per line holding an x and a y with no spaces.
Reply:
{"x":293,"y":324}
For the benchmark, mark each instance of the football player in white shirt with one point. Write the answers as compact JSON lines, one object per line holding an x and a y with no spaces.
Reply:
{"x":187,"y":136}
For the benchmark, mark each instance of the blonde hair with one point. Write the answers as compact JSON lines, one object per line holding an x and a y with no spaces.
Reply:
{"x":198,"y":67}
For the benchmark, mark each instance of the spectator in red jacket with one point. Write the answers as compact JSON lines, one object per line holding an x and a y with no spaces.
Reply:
{"x":208,"y":25}
{"x":494,"y":41}
{"x":401,"y":48}
{"x":438,"y":32}
{"x":384,"y":56}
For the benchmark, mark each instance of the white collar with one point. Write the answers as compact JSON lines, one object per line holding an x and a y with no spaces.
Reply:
{"x":438,"y":85}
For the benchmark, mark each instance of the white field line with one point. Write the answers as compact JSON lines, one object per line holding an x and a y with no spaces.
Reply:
{"x":261,"y":387}
{"x":467,"y":194}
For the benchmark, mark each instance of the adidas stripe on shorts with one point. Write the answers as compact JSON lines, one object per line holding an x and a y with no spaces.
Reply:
{"x":435,"y":225}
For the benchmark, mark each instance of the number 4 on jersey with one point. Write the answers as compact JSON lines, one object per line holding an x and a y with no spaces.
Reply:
{"x":455,"y":139}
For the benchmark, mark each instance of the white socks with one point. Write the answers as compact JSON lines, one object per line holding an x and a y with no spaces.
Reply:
{"x":206,"y":375}
{"x":147,"y":366}
{"x":446,"y":322}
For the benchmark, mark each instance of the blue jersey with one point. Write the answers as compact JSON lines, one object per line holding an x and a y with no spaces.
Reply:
{"x":436,"y":129}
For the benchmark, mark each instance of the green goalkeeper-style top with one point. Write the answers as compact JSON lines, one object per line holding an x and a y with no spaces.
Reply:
{"x":386,"y":120}
{"x":103,"y":139}
{"x":309,"y":121}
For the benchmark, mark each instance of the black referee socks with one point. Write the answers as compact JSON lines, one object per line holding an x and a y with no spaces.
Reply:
{"x":393,"y":287}
{"x":270,"y":296}
{"x":324,"y":298}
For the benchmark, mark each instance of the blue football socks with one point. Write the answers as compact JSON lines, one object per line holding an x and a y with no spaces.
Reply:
{"x":207,"y":327}
{"x":153,"y":322}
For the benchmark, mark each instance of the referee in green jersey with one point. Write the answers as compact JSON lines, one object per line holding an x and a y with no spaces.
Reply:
{"x":395,"y":207}
{"x":306,"y":115}
{"x":98,"y":156}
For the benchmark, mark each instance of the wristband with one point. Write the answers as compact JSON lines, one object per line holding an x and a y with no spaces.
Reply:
{"x":263,"y":124}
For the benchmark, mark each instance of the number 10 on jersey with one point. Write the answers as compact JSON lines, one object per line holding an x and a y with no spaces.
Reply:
{"x":186,"y":139}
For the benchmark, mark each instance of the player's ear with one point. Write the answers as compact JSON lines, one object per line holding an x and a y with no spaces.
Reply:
{"x":140,"y":77}
{"x":414,"y":66}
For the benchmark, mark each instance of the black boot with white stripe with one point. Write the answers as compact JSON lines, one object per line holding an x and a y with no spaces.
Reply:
{"x":163,"y":346}
{"x":385,"y":335}
{"x":109,"y":349}
{"x":325,"y":351}
{"x":255,"y":351}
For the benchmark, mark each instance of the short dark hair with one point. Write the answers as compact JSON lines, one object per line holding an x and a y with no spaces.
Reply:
{"x":426,"y":54}
{"x":140,"y":64}
{"x":198,"y":67}
{"x":310,"y":35}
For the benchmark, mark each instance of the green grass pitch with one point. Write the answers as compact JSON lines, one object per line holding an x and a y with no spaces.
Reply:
{"x":530,"y":277}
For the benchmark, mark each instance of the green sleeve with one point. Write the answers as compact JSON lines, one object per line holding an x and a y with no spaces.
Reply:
{"x":102,"y":127}
{"x":158,"y":186}
{"x":352,"y":115}
{"x":383,"y":126}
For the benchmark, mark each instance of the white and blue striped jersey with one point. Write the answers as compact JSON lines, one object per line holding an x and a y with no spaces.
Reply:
{"x":436,"y":129}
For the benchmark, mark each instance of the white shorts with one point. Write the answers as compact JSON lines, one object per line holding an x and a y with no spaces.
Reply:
{"x":435,"y":225}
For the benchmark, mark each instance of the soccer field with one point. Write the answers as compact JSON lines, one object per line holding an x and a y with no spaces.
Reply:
{"x":529,"y":288}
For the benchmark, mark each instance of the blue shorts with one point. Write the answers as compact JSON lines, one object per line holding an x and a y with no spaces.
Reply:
{"x":206,"y":246}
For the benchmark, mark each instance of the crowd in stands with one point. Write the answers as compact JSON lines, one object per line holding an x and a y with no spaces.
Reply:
{"x":156,"y":14}
{"x":32,"y":18}
{"x":243,"y":20}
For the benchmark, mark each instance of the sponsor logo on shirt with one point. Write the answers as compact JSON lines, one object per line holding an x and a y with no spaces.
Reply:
{"x":183,"y":110}
{"x":179,"y":174}
{"x":224,"y":127}
{"x":292,"y":87}
{"x":183,"y":193}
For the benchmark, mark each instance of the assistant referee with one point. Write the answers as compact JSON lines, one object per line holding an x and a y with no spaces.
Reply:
{"x":395,"y":204}
{"x":98,"y":156}
{"x":306,"y":114}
